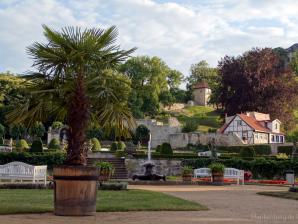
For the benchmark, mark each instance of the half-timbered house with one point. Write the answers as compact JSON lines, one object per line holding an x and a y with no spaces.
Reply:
{"x":254,"y":128}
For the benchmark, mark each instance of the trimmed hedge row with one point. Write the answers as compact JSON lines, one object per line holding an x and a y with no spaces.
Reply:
{"x":285,"y":149}
{"x":259,"y":149}
{"x":44,"y":158}
{"x":260,"y":167}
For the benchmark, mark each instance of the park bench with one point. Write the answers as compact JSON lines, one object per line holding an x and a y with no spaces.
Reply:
{"x":230,"y":173}
{"x":22,"y":171}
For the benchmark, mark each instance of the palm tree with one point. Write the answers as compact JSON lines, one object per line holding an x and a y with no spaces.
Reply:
{"x":73,"y":69}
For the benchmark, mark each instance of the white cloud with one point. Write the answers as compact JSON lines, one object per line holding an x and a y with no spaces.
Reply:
{"x":181,"y":34}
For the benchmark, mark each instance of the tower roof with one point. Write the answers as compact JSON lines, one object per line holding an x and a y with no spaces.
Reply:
{"x":201,"y":85}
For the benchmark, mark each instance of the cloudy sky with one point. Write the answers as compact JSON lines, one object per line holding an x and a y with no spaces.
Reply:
{"x":181,"y":32}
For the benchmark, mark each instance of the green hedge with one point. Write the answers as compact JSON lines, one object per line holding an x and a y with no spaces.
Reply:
{"x":259,"y":149}
{"x":260,"y":167}
{"x":285,"y":149}
{"x":44,"y":158}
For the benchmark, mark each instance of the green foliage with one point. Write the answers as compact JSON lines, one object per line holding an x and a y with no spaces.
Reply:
{"x":285,"y":149}
{"x":54,"y":144}
{"x":95,"y":144}
{"x":186,"y":170}
{"x":22,"y":145}
{"x":121,"y":145}
{"x":17,"y":131}
{"x":2,"y":131}
{"x":36,"y":146}
{"x":142,"y":134}
{"x":217,"y":167}
{"x":259,"y":149}
{"x":114,"y":147}
{"x":166,"y":149}
{"x":104,"y":166}
{"x":191,"y":125}
{"x":247,"y":152}
{"x":94,"y":132}
{"x":166,"y":98}
{"x":282,"y":156}
{"x":43,"y":158}
{"x":239,"y":92}
{"x":120,"y":153}
{"x":57,"y":125}
{"x":1,"y":141}
{"x":37,"y":130}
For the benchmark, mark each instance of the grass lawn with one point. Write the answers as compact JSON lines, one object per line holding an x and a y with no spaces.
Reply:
{"x":13,"y":201}
{"x":281,"y":194}
{"x":206,"y":117}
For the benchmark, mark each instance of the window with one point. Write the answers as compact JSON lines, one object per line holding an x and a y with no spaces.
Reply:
{"x":239,"y":123}
{"x":281,"y":139}
{"x":272,"y":138}
{"x":257,"y":135}
{"x":276,"y":126}
{"x":277,"y":138}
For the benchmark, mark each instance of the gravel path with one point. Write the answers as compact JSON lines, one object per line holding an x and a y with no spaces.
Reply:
{"x":228,"y":205}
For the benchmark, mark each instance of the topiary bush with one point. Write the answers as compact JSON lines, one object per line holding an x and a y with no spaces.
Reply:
{"x":121,"y":145}
{"x":114,"y":147}
{"x":95,"y":144}
{"x":36,"y":146}
{"x":54,"y":144}
{"x":142,"y":134}
{"x":248,"y":152}
{"x":22,"y":145}
{"x":166,"y":149}
{"x":57,"y":125}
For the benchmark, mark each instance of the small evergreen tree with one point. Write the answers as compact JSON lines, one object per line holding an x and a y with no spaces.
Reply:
{"x":166,"y":149}
{"x":22,"y":145}
{"x":54,"y":144}
{"x":36,"y":146}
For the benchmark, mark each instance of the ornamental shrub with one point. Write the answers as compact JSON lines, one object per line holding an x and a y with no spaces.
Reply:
{"x":54,"y":144}
{"x":191,"y":125}
{"x":36,"y":146}
{"x":57,"y":125}
{"x":114,"y":147}
{"x":22,"y":145}
{"x":121,"y":145}
{"x":1,"y":141}
{"x":285,"y":149}
{"x":142,"y":134}
{"x":95,"y":144}
{"x":166,"y":149}
{"x":262,"y":149}
{"x":247,"y":152}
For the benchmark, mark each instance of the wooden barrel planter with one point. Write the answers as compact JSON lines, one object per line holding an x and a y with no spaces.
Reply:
{"x":75,"y":190}
{"x":217,"y":178}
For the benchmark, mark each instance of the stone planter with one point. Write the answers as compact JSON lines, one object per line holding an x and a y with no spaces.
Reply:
{"x":75,"y":190}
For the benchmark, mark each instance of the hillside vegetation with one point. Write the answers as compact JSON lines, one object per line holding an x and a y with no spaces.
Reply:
{"x":206,"y":117}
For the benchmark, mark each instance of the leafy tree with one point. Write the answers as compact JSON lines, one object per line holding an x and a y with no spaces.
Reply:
{"x":256,"y":81}
{"x":191,"y":125}
{"x":142,"y":134}
{"x":202,"y":72}
{"x":150,"y":76}
{"x":74,"y":66}
{"x":166,"y":98}
{"x":37,"y":129}
{"x":22,"y":145}
{"x":17,"y":131}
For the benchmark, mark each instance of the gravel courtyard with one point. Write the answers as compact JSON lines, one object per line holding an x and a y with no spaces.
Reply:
{"x":228,"y":205}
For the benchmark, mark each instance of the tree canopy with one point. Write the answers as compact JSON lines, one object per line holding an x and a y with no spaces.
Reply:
{"x":256,"y":81}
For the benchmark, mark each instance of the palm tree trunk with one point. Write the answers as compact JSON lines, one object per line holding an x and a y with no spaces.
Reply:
{"x":77,"y":121}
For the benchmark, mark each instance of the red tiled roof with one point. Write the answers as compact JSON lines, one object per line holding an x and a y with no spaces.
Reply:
{"x":250,"y":121}
{"x":201,"y":85}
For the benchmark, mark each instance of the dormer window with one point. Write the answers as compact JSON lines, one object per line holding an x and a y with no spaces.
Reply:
{"x":276,"y":126}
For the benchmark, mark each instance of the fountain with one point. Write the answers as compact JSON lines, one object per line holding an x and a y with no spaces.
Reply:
{"x":149,"y":175}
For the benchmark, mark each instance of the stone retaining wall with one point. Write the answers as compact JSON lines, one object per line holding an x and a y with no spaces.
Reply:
{"x":168,"y":167}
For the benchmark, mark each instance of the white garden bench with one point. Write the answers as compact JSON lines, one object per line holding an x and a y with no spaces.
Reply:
{"x":22,"y":171}
{"x":230,"y":173}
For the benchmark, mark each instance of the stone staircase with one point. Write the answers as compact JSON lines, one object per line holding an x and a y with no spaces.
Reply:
{"x":118,"y":163}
